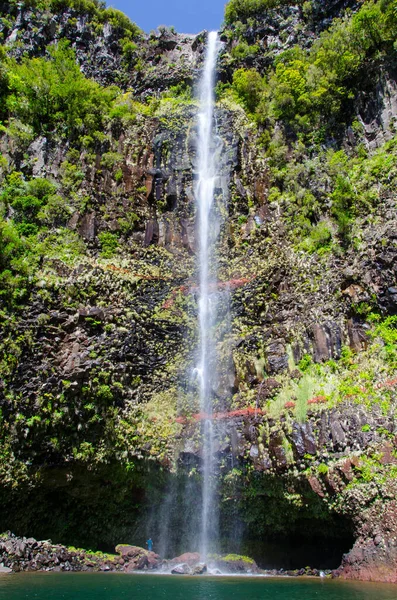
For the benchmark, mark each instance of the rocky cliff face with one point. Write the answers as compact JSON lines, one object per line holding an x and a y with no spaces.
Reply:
{"x":96,"y":400}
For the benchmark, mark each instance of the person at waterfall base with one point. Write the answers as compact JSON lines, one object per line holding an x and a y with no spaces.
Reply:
{"x":149,"y":545}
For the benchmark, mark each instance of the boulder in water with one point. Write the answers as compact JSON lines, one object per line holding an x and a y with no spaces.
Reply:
{"x":136,"y":558}
{"x":182,"y":569}
{"x":199,"y":569}
{"x":5,"y":570}
{"x":127,"y":551}
{"x":190,"y":558}
{"x":235,"y":563}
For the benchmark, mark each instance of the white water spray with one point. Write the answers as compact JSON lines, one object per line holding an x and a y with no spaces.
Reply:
{"x":207,"y":172}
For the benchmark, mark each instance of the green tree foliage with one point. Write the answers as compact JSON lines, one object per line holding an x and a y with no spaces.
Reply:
{"x":3,"y":81}
{"x":52,"y":93}
{"x":14,"y":266}
{"x":244,"y":50}
{"x":248,"y":85}
{"x":10,"y":245}
{"x":311,"y":90}
{"x":343,"y":200}
{"x":347,"y":187}
{"x":26,"y":199}
{"x":29,"y":202}
{"x":95,"y":10}
{"x":386,"y":331}
{"x":241,"y":10}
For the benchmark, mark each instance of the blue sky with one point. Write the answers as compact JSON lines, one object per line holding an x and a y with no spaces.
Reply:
{"x":187,"y":16}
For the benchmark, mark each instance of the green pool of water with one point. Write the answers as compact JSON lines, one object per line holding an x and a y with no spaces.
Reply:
{"x":64,"y":586}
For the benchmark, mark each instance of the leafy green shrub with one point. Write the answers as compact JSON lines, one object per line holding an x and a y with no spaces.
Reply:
{"x":118,"y":176}
{"x":27,"y":199}
{"x":52,"y":93}
{"x":312,"y":91}
{"x":243,"y":50}
{"x":27,"y":229}
{"x":10,"y":246}
{"x":119,"y":20}
{"x":129,"y":50}
{"x":248,"y":85}
{"x":241,"y":10}
{"x":320,"y":238}
{"x":127,"y":224}
{"x":104,"y":393}
{"x":14,"y":265}
{"x":110,"y":159}
{"x":322,"y":469}
{"x":65,"y":245}
{"x":305,"y":362}
{"x":386,"y":330}
{"x":72,"y":176}
{"x":343,"y":198}
{"x":55,"y":212}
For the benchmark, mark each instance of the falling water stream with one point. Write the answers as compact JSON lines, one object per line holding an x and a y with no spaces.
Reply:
{"x":205,"y":191}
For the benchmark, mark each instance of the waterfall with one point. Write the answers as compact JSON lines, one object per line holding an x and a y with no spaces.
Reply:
{"x":184,"y":521}
{"x":206,"y":369}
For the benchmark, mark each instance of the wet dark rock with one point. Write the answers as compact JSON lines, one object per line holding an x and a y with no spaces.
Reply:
{"x":28,"y":554}
{"x":277,"y":449}
{"x":277,"y":358}
{"x":199,"y":569}
{"x":326,"y":340}
{"x":87,"y":227}
{"x":268,"y":388}
{"x":182,"y":569}
{"x":234,"y":563}
{"x":303,"y":439}
{"x":338,"y":435}
{"x":357,"y":335}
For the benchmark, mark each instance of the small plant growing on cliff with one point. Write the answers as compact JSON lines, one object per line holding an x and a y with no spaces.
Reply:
{"x":387,"y":332}
{"x":109,"y":244}
{"x":305,"y":362}
{"x":118,"y":176}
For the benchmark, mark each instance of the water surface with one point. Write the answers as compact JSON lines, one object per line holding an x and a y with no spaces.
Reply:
{"x":98,"y":586}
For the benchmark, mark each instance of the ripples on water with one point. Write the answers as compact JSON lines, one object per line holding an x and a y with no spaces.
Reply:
{"x":64,"y":586}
